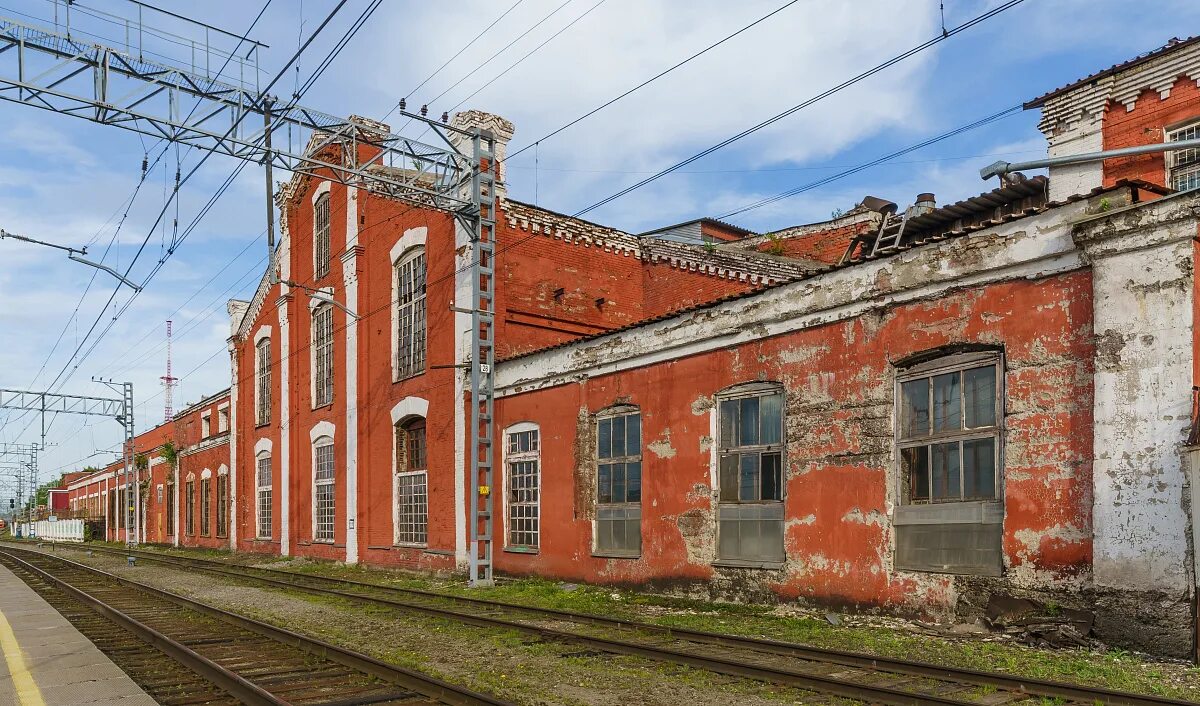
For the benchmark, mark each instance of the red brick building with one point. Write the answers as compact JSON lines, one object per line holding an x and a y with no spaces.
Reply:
{"x":998,"y":401}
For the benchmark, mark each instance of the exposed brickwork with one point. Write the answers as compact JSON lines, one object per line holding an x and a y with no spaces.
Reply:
{"x":826,"y":245}
{"x":1146,"y":124}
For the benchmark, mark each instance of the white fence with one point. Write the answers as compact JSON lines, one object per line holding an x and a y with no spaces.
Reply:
{"x":56,"y":531}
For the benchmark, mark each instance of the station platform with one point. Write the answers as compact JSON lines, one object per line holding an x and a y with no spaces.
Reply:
{"x":47,"y":662}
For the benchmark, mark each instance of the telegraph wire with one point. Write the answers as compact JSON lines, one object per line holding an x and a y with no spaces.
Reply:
{"x":804,"y":104}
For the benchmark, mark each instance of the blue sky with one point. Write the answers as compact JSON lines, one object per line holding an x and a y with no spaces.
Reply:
{"x":67,"y":181}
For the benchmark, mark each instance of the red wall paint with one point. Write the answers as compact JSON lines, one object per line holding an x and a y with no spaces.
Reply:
{"x":1146,"y":124}
{"x":839,"y":386}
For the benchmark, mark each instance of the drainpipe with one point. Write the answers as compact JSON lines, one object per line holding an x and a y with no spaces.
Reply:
{"x":1001,"y":168}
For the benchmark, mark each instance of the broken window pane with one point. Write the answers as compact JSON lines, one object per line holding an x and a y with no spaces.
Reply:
{"x":914,"y":414}
{"x":979,"y":468}
{"x":748,"y":429}
{"x":771,"y":477}
{"x":771,"y":411}
{"x":979,"y":390}
{"x":916,"y":469}
{"x":946,"y":472}
{"x":946,"y":402}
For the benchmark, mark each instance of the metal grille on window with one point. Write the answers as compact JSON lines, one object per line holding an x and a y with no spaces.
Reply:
{"x":523,"y":489}
{"x":949,"y":436}
{"x":190,"y":507}
{"x":323,"y":497}
{"x":412,"y":484}
{"x":1185,"y":164}
{"x":321,"y":235}
{"x":222,"y":505}
{"x":170,"y":508}
{"x":264,"y":382}
{"x":263,"y":482}
{"x":410,"y":303}
{"x":323,"y":347}
{"x":750,"y":511}
{"x":619,"y":484}
{"x":205,"y":487}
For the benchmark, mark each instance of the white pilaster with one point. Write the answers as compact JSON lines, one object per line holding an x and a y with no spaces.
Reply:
{"x":232,"y":513}
{"x":285,"y":446}
{"x":350,"y":279}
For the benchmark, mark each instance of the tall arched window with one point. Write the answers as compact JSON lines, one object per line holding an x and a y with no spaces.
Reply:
{"x":322,"y":325}
{"x":324,"y":501}
{"x":223,"y":502}
{"x":262,"y":365}
{"x":170,"y":505}
{"x":321,"y":236}
{"x":262,"y":483}
{"x":205,"y":503}
{"x":412,"y":483}
{"x":189,"y":505}
{"x":750,"y":474}
{"x":410,"y":319}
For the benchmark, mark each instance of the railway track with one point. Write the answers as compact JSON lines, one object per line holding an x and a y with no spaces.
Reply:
{"x":840,"y":673}
{"x":182,"y":651}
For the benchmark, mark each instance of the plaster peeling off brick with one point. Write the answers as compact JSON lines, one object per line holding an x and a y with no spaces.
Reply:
{"x":662,"y":448}
{"x":874,"y":517}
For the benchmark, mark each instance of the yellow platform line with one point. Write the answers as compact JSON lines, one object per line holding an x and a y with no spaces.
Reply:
{"x":28,"y":693}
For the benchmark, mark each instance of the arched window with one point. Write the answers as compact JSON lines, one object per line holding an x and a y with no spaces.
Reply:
{"x":205,"y":503}
{"x":619,"y":482}
{"x":189,"y":505}
{"x":262,"y":483}
{"x":410,"y":314}
{"x":750,"y":474}
{"x":949,"y":418}
{"x":321,"y":236}
{"x":262,"y":366}
{"x":170,"y":504}
{"x":223,"y":502}
{"x":523,"y":478}
{"x":322,"y":325}
{"x":412,"y":483}
{"x":324,"y":501}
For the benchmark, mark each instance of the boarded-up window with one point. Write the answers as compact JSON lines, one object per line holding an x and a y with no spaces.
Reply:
{"x":750,"y":508}
{"x":949,"y":414}
{"x":619,"y":483}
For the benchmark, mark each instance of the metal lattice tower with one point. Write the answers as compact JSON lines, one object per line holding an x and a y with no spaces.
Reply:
{"x":169,"y":382}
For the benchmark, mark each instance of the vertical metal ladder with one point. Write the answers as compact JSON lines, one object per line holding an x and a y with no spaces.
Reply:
{"x":483,"y":358}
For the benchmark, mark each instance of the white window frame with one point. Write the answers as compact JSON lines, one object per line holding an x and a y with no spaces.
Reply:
{"x":262,"y":377}
{"x":413,"y":313}
{"x":322,"y":357}
{"x":511,"y":458}
{"x":206,"y":424}
{"x":223,"y":418}
{"x":405,"y":475}
{"x":259,"y":489}
{"x":321,"y":436}
{"x":206,"y":487}
{"x":223,"y":502}
{"x":1187,"y":161}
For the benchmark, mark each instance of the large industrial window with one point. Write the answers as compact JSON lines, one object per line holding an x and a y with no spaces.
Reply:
{"x":323,"y":354}
{"x":323,"y":495}
{"x":263,"y":489}
{"x":321,"y":236}
{"x":948,"y":442}
{"x":410,"y":305}
{"x":523,"y":462}
{"x":205,"y":506}
{"x":412,"y":484}
{"x":750,"y":469}
{"x":263,"y":368}
{"x":222,"y":505}
{"x":619,"y":483}
{"x":170,"y":507}
{"x":111,"y":503}
{"x":1183,"y":170}
{"x":189,"y":507}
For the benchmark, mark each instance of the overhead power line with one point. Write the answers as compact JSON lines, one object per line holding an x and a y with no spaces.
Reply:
{"x":804,"y":104}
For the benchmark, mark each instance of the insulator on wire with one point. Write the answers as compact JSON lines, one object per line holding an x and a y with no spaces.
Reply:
{"x":445,"y":117}
{"x":403,"y":103}
{"x":424,"y":110}
{"x":145,"y":165}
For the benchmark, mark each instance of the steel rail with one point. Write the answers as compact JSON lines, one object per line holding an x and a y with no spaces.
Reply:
{"x":426,"y":685}
{"x":1030,"y":686}
{"x":237,"y":686}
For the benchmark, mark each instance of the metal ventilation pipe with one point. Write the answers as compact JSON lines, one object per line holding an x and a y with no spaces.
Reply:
{"x":1001,"y":168}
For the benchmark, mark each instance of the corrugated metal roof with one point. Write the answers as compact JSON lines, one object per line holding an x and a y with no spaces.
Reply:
{"x":1174,"y":44}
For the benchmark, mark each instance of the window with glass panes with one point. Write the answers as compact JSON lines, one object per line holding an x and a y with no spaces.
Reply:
{"x":1183,"y":173}
{"x":948,"y":430}
{"x":263,"y":493}
{"x":323,"y":354}
{"x":524,"y":485}
{"x":412,"y":500}
{"x":619,"y":483}
{"x":323,"y":498}
{"x":170,"y":508}
{"x":750,"y":469}
{"x":321,"y":236}
{"x":189,"y":507}
{"x":263,"y":387}
{"x":222,"y":505}
{"x":205,"y":488}
{"x":410,"y":309}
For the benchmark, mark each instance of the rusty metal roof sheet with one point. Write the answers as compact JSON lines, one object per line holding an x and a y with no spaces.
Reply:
{"x":1172,"y":45}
